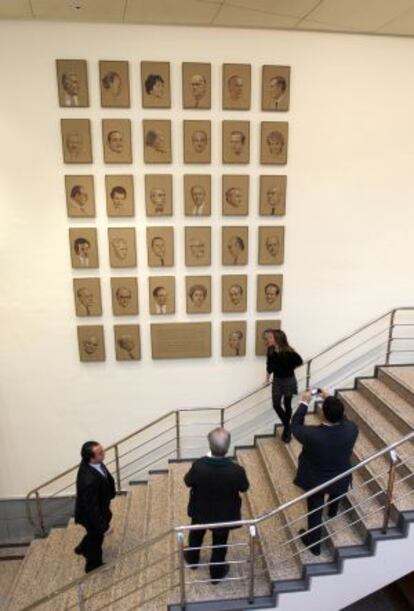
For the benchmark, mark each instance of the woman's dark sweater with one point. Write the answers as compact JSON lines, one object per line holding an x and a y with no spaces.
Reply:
{"x":282,"y":364}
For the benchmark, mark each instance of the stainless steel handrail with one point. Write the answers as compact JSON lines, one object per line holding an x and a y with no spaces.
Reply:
{"x":175,"y":414}
{"x":251,"y":523}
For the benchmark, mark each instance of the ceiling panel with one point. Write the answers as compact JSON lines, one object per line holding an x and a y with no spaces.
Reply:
{"x":235,"y":16}
{"x":90,"y":10}
{"x":404,"y":24}
{"x":15,"y":9}
{"x":171,"y":11}
{"x":289,"y":8}
{"x":366,"y":15}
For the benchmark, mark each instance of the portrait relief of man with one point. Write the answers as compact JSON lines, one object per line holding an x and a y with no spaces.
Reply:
{"x":272,"y":195}
{"x":269,"y":292}
{"x":116,"y":135}
{"x":274,"y":141}
{"x":72,"y":83}
{"x":87,"y":292}
{"x":235,"y":247}
{"x":91,"y":343}
{"x":262,"y":328}
{"x":275,"y":88}
{"x":124,"y":296}
{"x":114,"y":77}
{"x":83,"y":247}
{"x":158,"y":194}
{"x":271,"y":245}
{"x":234,"y":338}
{"x":155,"y":78}
{"x":234,"y":293}
{"x":197,"y":190}
{"x":157,"y":141}
{"x":127,"y":342}
{"x":197,"y":246}
{"x":197,"y":142}
{"x":160,"y":246}
{"x":235,"y":341}
{"x":80,"y":196}
{"x":235,"y":194}
{"x":236,"y":142}
{"x":162,"y":295}
{"x":76,"y":140}
{"x":122,"y":251}
{"x":196,"y":85}
{"x":236,"y":86}
{"x":119,"y":195}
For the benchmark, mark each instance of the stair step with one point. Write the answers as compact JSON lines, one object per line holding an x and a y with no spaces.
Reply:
{"x":29,"y":571}
{"x":221,"y":591}
{"x":125,"y":577}
{"x":8,"y":573}
{"x":399,"y":379}
{"x":394,"y":407}
{"x":279,"y":553}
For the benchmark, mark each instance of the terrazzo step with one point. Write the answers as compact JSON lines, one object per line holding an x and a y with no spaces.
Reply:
{"x":125,"y":576}
{"x":27,"y":575}
{"x":392,"y":406}
{"x":8,"y":573}
{"x":367,"y":416}
{"x":152,"y":571}
{"x":237,"y":587}
{"x":341,"y":530}
{"x":399,"y":379}
{"x":365,"y":509}
{"x":279,"y":552}
{"x":281,"y":469}
{"x":98,"y":588}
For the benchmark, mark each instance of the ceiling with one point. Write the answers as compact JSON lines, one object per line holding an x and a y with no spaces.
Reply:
{"x":394,"y":17}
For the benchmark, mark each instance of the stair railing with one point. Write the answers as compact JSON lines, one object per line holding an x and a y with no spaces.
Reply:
{"x":181,"y":434}
{"x":81,"y":591}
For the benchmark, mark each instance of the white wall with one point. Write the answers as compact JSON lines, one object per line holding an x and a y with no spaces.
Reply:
{"x":349,"y":220}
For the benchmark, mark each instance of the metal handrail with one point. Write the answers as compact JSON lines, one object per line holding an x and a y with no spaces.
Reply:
{"x":35,"y":492}
{"x":251,"y":523}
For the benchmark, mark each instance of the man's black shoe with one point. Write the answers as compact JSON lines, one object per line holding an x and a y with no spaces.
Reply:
{"x":89,"y":569}
{"x":286,"y":436}
{"x":187,"y":557}
{"x":315,"y":549}
{"x":224,"y":569}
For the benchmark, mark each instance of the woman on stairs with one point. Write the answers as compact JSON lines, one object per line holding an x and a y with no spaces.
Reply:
{"x":282,"y":360}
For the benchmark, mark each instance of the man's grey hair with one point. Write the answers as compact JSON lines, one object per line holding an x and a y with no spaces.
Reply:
{"x":219,"y":440}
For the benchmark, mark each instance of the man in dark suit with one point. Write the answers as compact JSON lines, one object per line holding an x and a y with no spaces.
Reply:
{"x":326,"y":453}
{"x":215,"y":482}
{"x":95,"y":488}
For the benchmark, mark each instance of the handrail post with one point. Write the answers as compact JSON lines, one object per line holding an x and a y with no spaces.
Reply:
{"x":117,"y":468}
{"x":390,"y":337}
{"x":390,"y":490}
{"x":308,"y":373}
{"x":222,"y":417}
{"x":252,"y":549}
{"x":177,"y":434}
{"x":181,"y":568}
{"x":81,"y":600}
{"x":40,"y":513}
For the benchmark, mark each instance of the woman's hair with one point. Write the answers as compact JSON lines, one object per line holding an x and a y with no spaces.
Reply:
{"x":281,"y":340}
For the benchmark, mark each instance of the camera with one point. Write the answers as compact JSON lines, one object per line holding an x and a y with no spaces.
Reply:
{"x":316,"y":391}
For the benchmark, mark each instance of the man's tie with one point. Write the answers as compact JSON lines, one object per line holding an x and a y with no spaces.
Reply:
{"x":162,"y":261}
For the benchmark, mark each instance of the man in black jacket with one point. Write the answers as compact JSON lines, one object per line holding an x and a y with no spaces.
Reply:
{"x":215,"y":482}
{"x":95,"y":488}
{"x":326,"y":453}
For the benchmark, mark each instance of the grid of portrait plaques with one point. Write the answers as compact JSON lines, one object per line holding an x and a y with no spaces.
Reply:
{"x":172,"y":210}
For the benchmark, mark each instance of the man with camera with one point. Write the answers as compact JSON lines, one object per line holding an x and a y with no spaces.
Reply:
{"x":326,"y":453}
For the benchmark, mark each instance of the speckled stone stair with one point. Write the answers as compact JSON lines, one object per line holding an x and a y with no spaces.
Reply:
{"x":380,"y":432}
{"x":281,"y":561}
{"x":126,"y":572}
{"x":399,"y":379}
{"x":27,"y":575}
{"x":8,"y":573}
{"x":392,"y":405}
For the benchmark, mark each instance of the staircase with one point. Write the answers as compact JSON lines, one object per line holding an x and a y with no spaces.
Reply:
{"x":147,"y":576}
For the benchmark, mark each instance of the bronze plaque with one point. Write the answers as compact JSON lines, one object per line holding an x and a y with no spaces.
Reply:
{"x":181,"y":340}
